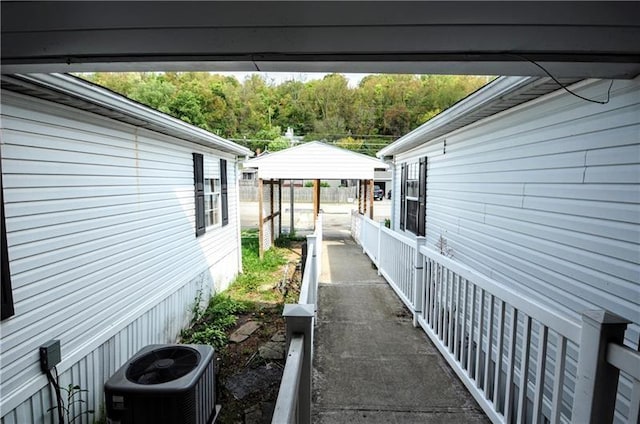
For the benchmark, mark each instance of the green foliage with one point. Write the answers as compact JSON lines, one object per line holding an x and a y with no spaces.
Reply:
{"x":322,"y":184}
{"x":256,"y":272}
{"x":279,"y":143}
{"x":286,"y":240}
{"x":73,"y":407}
{"x":210,"y":328}
{"x":254,"y":111}
{"x":350,"y":143}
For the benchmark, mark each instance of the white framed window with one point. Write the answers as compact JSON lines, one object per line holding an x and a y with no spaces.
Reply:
{"x":212,"y":211}
{"x":413,"y":196}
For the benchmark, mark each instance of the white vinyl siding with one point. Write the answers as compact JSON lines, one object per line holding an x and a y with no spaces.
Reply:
{"x":545,"y":198}
{"x":100,"y":230}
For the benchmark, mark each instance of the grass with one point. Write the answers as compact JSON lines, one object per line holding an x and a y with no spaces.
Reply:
{"x":252,"y":290}
{"x":259,"y":276}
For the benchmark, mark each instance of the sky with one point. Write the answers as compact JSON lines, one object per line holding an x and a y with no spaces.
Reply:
{"x":280,"y":77}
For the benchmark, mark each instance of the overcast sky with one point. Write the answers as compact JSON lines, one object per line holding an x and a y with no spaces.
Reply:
{"x":280,"y":77}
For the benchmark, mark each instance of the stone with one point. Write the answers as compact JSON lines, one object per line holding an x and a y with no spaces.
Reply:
{"x":279,"y":337}
{"x":272,"y":350}
{"x":253,"y":415}
{"x":253,"y":380}
{"x":243,"y":333}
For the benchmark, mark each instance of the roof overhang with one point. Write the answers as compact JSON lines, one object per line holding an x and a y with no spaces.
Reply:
{"x":316,"y":160}
{"x":81,"y":94}
{"x":501,"y":94}
{"x":596,"y":39}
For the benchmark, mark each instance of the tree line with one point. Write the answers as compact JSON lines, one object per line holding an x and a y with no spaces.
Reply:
{"x":256,"y":112}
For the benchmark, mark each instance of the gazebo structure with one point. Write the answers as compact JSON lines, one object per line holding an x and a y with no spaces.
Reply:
{"x":309,"y":161}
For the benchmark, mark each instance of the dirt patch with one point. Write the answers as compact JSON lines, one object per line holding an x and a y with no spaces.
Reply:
{"x":247,"y":383}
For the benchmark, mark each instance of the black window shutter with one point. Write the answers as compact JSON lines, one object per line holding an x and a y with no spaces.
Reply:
{"x":403,"y":195}
{"x":422,"y":197}
{"x":224,"y":192}
{"x":6,"y":306}
{"x":198,"y":184}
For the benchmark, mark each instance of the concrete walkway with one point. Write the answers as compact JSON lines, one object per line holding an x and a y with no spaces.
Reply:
{"x":371,"y":365}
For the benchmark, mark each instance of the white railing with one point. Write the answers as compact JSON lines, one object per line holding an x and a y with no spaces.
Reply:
{"x":521,"y":360}
{"x":294,"y":396}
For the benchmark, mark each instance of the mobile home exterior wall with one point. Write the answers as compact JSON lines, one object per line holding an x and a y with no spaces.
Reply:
{"x":102,"y":246}
{"x":543,"y":197}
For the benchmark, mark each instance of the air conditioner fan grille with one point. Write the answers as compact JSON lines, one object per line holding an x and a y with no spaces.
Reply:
{"x":163,"y":365}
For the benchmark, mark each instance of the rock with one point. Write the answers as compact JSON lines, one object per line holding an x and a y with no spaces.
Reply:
{"x":253,"y":380}
{"x":253,"y":415}
{"x":259,"y":414}
{"x":243,"y":333}
{"x":279,"y":337}
{"x":272,"y":350}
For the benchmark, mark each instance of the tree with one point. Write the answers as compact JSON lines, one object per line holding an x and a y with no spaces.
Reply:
{"x":254,"y":111}
{"x":350,"y":143}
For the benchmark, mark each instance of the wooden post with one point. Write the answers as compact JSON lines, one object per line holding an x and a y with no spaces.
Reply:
{"x":360,"y":197}
{"x":291,"y":205}
{"x":596,"y":380}
{"x":370,"y":199}
{"x":271,"y":214}
{"x":316,"y":200}
{"x":260,"y":217}
{"x":279,"y":207}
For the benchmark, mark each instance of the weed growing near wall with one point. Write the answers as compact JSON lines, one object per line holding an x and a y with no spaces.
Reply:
{"x":210,"y":328}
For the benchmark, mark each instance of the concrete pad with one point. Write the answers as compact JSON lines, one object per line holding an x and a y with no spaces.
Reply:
{"x":371,"y":365}
{"x":392,"y":417}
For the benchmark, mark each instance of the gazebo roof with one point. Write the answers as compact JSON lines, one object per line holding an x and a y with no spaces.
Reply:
{"x":315,"y":160}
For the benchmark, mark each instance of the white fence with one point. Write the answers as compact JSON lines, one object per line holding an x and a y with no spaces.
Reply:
{"x":522,"y":361}
{"x":250,"y":193}
{"x":294,"y":396}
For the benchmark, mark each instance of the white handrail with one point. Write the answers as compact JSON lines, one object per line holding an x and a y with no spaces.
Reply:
{"x":479,"y":325}
{"x":294,"y":397}
{"x":545,"y":315}
{"x":286,"y":409}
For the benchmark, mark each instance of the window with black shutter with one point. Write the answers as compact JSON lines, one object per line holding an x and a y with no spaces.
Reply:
{"x":422,"y":197}
{"x":224,"y":191}
{"x":6,"y":306}
{"x":198,"y":184}
{"x":403,"y":195}
{"x":413,"y":197}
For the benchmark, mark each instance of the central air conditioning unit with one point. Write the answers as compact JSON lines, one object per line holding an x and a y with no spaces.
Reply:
{"x":164,"y":384}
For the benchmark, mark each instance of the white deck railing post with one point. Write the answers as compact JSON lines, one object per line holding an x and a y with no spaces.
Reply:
{"x":312,"y":244}
{"x":379,"y":246}
{"x":597,"y":380}
{"x":299,"y":320}
{"x":418,"y":280}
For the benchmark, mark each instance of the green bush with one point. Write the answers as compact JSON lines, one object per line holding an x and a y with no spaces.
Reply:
{"x":322,"y":184}
{"x":220,"y":314}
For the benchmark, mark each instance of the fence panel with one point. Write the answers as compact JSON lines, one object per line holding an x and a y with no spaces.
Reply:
{"x":249,"y":193}
{"x":510,"y":352}
{"x":369,"y":236}
{"x":397,"y":263}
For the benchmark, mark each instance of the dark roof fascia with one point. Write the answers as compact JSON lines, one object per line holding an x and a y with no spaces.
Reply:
{"x":494,"y":97}
{"x":73,"y":91}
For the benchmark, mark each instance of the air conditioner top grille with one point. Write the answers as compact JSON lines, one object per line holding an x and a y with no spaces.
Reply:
{"x":162,"y":365}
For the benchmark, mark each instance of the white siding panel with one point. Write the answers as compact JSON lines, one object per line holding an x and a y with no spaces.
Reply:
{"x":545,"y":197}
{"x":612,"y":174}
{"x":102,"y":246}
{"x":615,"y":155}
